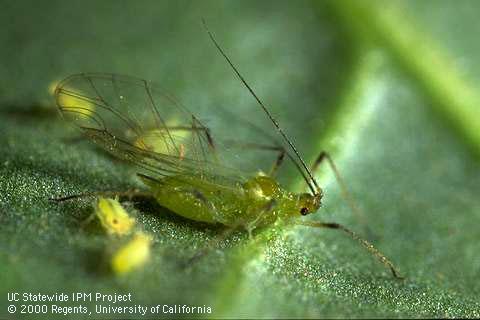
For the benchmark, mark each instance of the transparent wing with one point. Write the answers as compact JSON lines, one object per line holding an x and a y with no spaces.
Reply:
{"x":143,"y":124}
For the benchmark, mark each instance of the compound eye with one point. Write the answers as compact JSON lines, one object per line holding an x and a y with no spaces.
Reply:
{"x":304,"y":211}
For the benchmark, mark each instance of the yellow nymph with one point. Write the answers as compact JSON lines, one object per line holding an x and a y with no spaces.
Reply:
{"x":132,"y":255}
{"x":113,"y":217}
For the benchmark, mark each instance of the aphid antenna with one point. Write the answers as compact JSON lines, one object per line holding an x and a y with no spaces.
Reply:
{"x":312,"y":183}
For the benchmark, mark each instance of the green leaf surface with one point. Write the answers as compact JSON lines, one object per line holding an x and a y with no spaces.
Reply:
{"x":389,"y":90}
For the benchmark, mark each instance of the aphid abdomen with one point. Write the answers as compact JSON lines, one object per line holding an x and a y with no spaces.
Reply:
{"x":196,"y":200}
{"x":190,"y":204}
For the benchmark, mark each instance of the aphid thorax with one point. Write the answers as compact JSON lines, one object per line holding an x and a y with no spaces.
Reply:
{"x":267,"y":188}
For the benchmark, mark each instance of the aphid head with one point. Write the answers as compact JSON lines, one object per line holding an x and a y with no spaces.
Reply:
{"x":308,"y":203}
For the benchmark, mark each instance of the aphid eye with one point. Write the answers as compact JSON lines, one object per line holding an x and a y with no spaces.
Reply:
{"x":304,"y":211}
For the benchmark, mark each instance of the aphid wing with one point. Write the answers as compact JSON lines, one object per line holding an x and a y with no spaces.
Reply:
{"x":119,"y":105}
{"x":135,"y":122}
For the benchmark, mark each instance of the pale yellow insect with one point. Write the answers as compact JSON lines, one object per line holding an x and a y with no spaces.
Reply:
{"x":113,"y":217}
{"x":132,"y":255}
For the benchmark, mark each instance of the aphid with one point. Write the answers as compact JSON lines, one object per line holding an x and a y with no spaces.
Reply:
{"x":113,"y":217}
{"x":133,"y":255}
{"x":188,"y":173}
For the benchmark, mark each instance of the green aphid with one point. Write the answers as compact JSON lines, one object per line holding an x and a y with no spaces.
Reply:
{"x":188,"y":175}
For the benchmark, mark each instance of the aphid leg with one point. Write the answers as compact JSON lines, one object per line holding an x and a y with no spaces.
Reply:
{"x":196,"y":127}
{"x":210,"y":245}
{"x":88,"y":220}
{"x":343,"y":186}
{"x":252,"y":225}
{"x":202,"y":198}
{"x":367,"y":245}
{"x":278,"y":161}
{"x":128,"y":193}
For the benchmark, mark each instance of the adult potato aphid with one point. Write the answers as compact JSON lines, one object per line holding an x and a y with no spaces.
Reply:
{"x":191,"y":174}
